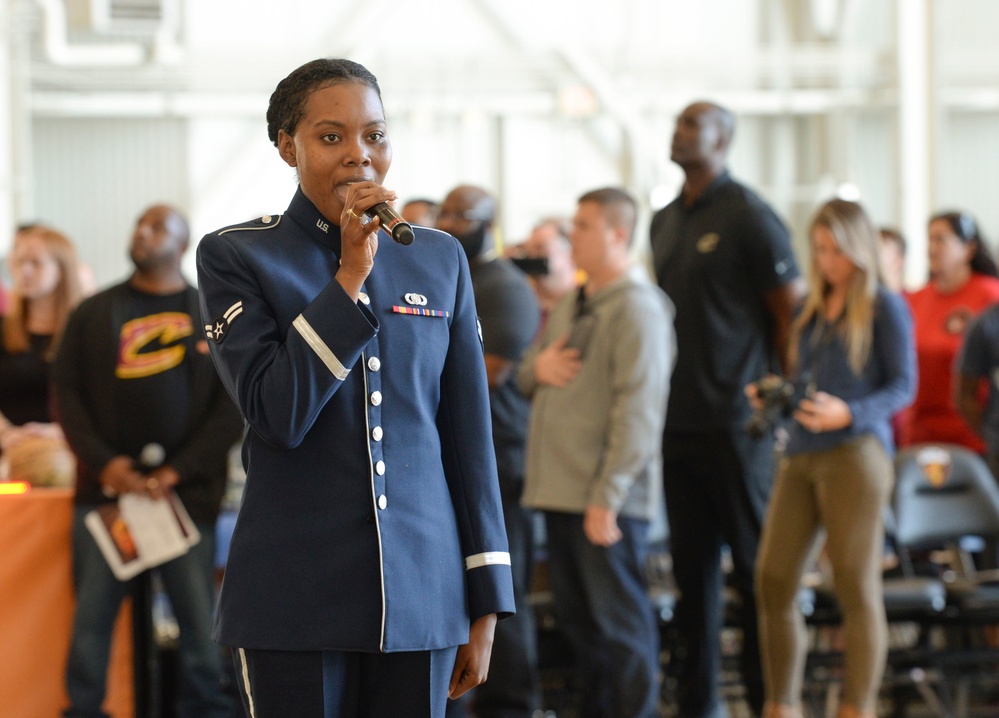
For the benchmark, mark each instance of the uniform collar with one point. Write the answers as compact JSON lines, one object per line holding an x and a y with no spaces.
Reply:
{"x":304,"y":213}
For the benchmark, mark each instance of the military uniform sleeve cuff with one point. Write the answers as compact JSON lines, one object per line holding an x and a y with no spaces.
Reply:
{"x":489,"y":558}
{"x":313,"y":339}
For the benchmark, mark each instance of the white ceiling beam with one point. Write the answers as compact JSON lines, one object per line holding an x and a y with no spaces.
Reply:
{"x":538,"y":103}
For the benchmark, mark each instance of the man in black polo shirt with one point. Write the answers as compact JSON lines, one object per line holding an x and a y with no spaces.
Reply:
{"x":725,"y":260}
{"x":508,"y":318}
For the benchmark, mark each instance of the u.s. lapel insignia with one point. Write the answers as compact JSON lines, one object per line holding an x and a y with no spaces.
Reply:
{"x":417,"y":300}
{"x":216,"y":331}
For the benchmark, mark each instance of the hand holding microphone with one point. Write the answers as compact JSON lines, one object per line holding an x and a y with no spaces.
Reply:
{"x":399,"y":229}
{"x":364,"y":202}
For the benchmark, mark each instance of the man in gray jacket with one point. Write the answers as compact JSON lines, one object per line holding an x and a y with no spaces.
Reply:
{"x":599,"y":378}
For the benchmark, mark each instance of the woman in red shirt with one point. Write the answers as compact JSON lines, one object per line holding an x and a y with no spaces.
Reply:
{"x":962,"y":283}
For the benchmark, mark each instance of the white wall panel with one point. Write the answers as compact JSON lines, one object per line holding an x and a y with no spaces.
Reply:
{"x":873,"y":165}
{"x":549,"y":163}
{"x":93,"y":177}
{"x":969,"y":171}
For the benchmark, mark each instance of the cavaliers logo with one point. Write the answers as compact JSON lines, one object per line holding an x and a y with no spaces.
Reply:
{"x":151,"y":345}
{"x":936,"y":465}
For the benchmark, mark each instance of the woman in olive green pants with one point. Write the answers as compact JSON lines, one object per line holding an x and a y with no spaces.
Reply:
{"x":852,"y":353}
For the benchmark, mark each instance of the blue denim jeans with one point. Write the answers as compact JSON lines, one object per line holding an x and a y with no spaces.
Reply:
{"x":189,"y":583}
{"x":602,"y":607}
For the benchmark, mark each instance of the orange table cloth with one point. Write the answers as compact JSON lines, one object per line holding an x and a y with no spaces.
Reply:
{"x":36,"y":610}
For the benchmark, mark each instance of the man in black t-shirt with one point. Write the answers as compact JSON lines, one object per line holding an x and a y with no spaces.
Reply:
{"x":144,"y":412}
{"x":725,"y":259}
{"x":508,"y":318}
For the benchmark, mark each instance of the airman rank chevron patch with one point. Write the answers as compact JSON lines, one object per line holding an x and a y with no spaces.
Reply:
{"x":216,"y":331}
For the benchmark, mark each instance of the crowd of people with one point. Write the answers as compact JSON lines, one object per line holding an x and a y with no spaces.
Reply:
{"x":411,"y":416}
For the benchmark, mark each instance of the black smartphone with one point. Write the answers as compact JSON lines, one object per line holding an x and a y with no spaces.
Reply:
{"x":580,"y":332}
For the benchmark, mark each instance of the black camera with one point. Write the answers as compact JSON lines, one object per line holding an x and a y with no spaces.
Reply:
{"x":779,"y":398}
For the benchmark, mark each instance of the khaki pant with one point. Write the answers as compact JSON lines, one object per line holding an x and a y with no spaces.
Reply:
{"x":843,"y":490}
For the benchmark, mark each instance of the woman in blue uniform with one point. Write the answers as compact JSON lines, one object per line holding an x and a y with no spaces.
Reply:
{"x":369,"y":562}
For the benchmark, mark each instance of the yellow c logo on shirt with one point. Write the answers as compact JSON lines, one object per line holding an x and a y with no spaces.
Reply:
{"x":150,"y":345}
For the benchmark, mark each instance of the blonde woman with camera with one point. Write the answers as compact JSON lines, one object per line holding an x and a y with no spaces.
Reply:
{"x":852,"y":341}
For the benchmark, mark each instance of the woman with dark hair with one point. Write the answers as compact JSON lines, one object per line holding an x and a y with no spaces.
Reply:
{"x":851,"y":345}
{"x":44,"y":269}
{"x":369,"y":563}
{"x":962,"y":283}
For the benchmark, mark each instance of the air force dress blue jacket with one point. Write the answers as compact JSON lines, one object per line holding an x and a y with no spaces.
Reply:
{"x":371,"y":518}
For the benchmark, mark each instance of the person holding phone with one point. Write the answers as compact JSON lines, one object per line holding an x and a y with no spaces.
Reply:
{"x":598,"y":376}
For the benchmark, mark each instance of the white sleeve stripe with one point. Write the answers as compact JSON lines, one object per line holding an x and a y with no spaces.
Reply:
{"x":246,"y":681}
{"x":319,"y":347}
{"x":490,"y":558}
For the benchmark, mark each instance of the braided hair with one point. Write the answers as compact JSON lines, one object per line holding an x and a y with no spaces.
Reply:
{"x":287,"y":103}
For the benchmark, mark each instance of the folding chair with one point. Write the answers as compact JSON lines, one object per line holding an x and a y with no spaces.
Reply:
{"x":943,"y":494}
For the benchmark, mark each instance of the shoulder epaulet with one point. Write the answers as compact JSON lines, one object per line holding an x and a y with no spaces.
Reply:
{"x":268,"y":221}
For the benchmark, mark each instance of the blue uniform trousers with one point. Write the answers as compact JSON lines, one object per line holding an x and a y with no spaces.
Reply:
{"x":343,"y":684}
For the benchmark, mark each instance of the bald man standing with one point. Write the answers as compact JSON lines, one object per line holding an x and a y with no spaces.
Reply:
{"x":725,"y":259}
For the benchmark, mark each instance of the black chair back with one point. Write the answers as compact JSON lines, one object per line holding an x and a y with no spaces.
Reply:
{"x":943,"y":492}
